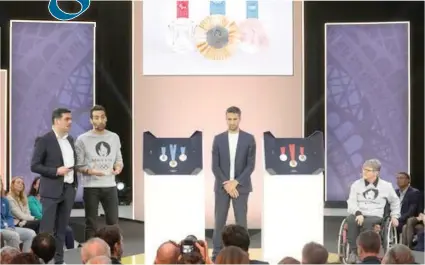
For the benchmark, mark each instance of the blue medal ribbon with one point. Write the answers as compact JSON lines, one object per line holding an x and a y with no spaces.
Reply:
{"x":163,"y":150}
{"x":173,"y":151}
{"x":251,"y":9}
{"x":217,"y":7}
{"x":182,"y":150}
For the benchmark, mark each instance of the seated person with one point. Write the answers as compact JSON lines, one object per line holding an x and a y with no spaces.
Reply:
{"x":13,"y":235}
{"x":366,"y":203}
{"x":414,"y":226}
{"x":36,"y":210}
{"x":409,"y":199}
{"x":19,"y":206}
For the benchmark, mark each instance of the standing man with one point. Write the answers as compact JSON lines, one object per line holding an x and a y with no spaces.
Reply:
{"x":54,"y":160}
{"x":99,"y":154}
{"x":233,"y":161}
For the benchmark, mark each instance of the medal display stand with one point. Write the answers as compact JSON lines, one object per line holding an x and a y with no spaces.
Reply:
{"x":293,"y":195}
{"x":174,"y":190}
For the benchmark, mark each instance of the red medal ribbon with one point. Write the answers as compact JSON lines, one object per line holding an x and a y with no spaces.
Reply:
{"x":182,"y":9}
{"x":282,"y":150}
{"x":302,"y":150}
{"x":292,"y":151}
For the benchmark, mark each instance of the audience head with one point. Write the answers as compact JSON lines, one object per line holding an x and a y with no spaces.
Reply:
{"x":100,"y":260}
{"x":368,"y":244}
{"x":17,"y":190}
{"x":289,"y":260}
{"x":314,"y":253}
{"x":167,"y":253}
{"x":371,"y":169}
{"x":232,"y":255}
{"x":191,"y":258}
{"x":34,"y":187}
{"x":94,"y":247}
{"x":236,"y":235}
{"x":403,"y":180}
{"x":25,"y":258}
{"x":111,"y":234}
{"x":399,"y":254}
{"x":44,"y":246}
{"x":7,"y":254}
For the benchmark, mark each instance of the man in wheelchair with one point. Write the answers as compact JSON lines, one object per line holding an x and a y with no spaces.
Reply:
{"x":366,"y":203}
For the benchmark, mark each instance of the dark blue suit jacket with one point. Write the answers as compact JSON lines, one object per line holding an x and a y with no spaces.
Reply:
{"x":410,"y":204}
{"x":47,"y":157}
{"x":244,"y":161}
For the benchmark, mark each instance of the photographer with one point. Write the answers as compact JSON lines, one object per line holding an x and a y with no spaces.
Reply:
{"x":189,"y":251}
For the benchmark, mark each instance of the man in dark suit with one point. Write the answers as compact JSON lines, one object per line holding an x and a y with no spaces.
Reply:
{"x":54,"y":160}
{"x":409,"y":199}
{"x":233,"y":161}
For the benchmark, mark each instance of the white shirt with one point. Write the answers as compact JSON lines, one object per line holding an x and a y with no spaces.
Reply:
{"x":233,"y":143}
{"x":67,"y":156}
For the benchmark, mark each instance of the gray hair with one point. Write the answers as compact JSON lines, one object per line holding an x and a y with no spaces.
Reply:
{"x":7,"y":253}
{"x":375,"y":164}
{"x":100,"y":260}
{"x":399,"y":254}
{"x":94,"y":247}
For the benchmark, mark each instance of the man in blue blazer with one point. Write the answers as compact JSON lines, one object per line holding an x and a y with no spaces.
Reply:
{"x":409,"y":199}
{"x":233,"y":161}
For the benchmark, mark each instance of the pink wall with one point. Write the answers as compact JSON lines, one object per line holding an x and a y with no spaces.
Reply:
{"x":175,"y":106}
{"x":3,"y":119}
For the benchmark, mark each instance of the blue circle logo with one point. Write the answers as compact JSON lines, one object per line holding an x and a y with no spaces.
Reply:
{"x":59,"y":14}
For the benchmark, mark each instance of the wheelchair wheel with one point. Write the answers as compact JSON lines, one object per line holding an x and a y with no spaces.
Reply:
{"x":343,"y":247}
{"x":389,"y":237}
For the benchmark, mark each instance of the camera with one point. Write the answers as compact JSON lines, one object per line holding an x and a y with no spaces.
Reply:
{"x":188,"y":245}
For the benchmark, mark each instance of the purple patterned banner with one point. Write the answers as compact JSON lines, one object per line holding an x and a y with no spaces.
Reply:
{"x":367,"y":108}
{"x":52,"y":65}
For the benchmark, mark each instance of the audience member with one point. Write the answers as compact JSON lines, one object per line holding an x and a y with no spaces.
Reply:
{"x":167,"y":253}
{"x":232,"y":255}
{"x":44,"y":246}
{"x":409,"y":199}
{"x":100,"y":260}
{"x":314,"y":253}
{"x":415,"y":225}
{"x":289,"y":260}
{"x":191,"y":258}
{"x":1,"y":241}
{"x":25,"y":258}
{"x":398,"y":254}
{"x":238,"y":236}
{"x":112,"y":236}
{"x":420,"y":245}
{"x":36,"y":210}
{"x":7,"y":254}
{"x":19,"y":205}
{"x":94,"y":247}
{"x":13,"y":235}
{"x":368,"y":247}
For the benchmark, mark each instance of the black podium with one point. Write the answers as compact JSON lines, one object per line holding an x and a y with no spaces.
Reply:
{"x":293,"y":194}
{"x":173,"y":181}
{"x":172,"y":156}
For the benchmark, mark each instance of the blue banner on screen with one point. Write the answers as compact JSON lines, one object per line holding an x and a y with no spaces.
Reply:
{"x":367,"y":102}
{"x":52,"y":65}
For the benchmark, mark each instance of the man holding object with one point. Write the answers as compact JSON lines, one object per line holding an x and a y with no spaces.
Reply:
{"x":54,"y":160}
{"x":233,"y":161}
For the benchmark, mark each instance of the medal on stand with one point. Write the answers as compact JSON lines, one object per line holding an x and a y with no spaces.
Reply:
{"x":181,"y":30}
{"x":163,"y":157}
{"x":253,"y":34}
{"x":283,"y":156}
{"x":293,"y":162}
{"x":217,"y":36}
{"x":183,"y":155}
{"x":302,"y":157}
{"x":173,"y":151}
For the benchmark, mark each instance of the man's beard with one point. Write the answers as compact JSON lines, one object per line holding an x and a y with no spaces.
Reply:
{"x":100,"y":126}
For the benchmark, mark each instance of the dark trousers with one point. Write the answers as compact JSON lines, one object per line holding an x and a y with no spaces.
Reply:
{"x":222,"y":204}
{"x":108,"y":197}
{"x":69,"y":238}
{"x":56,"y":214}
{"x":33,"y":225}
{"x":354,"y":229}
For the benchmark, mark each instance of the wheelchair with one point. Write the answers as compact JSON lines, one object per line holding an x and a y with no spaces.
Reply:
{"x":388,"y":238}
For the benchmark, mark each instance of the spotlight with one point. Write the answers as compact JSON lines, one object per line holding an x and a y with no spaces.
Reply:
{"x":120,"y":186}
{"x":125,"y":195}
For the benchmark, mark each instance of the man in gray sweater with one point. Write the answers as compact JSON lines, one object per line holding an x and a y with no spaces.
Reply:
{"x":99,"y":160}
{"x":366,"y":203}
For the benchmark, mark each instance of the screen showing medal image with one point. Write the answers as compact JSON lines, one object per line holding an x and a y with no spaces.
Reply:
{"x":294,"y":156}
{"x":172,"y":156}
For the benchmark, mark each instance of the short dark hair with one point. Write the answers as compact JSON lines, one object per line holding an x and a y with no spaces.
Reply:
{"x":404,"y":174}
{"x":111,"y":234}
{"x":236,"y":235}
{"x":25,"y":258}
{"x":314,"y":253}
{"x":369,"y":241}
{"x":57,"y":113}
{"x":289,"y":260}
{"x":44,"y":246}
{"x":234,"y":110}
{"x":96,"y":108}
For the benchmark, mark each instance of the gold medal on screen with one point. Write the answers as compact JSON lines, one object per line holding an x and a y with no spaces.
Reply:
{"x":217,"y":37}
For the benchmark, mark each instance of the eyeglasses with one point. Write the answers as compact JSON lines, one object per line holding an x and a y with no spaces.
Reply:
{"x":367,"y":170}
